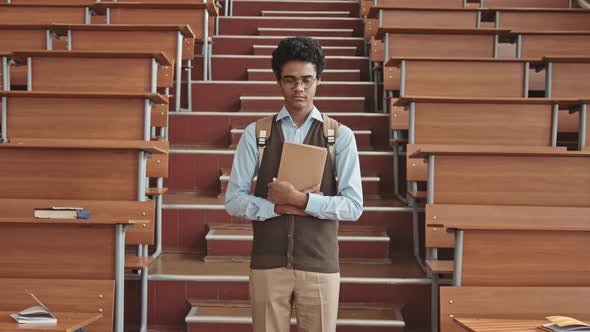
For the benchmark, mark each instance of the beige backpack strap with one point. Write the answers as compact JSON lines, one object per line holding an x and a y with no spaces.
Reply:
{"x":330,"y":133}
{"x":263,"y":129}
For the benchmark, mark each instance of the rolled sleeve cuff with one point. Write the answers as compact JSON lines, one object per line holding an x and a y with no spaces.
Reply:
{"x":266,"y":210}
{"x":315,"y":204}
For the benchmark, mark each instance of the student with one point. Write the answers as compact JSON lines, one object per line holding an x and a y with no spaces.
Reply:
{"x":294,"y":260}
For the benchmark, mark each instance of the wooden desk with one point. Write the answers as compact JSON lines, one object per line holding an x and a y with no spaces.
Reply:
{"x":23,"y":37}
{"x":176,"y":41}
{"x":66,"y":322}
{"x":524,"y":3}
{"x":543,"y":19}
{"x":499,"y":325}
{"x":496,"y":78}
{"x":440,"y":42}
{"x":42,"y":13}
{"x":532,"y":44}
{"x":479,"y":121}
{"x":95,"y":71}
{"x":523,"y":303}
{"x":568,"y":76}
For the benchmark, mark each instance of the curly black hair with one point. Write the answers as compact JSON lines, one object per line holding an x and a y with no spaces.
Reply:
{"x":298,"y":49}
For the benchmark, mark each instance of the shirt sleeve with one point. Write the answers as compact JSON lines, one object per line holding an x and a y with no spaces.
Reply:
{"x":239,"y":201}
{"x":347,"y":205}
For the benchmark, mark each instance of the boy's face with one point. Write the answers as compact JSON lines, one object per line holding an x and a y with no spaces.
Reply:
{"x":298,"y":84}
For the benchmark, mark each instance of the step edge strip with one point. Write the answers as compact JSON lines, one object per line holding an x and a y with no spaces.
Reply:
{"x":331,"y":114}
{"x":289,"y":18}
{"x":345,"y":238}
{"x":248,"y":320}
{"x":283,"y":37}
{"x":221,"y":207}
{"x":245,"y":278}
{"x":232,"y":151}
{"x":316,"y":98}
{"x":273,"y":83}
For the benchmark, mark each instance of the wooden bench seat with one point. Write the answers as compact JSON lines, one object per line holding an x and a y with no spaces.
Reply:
{"x":95,"y":71}
{"x":440,"y":266}
{"x":568,"y":76}
{"x":534,"y":303}
{"x":44,"y":13}
{"x":496,"y":78}
{"x":524,"y":3}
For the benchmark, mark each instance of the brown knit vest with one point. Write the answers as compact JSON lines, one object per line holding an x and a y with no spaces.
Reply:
{"x":301,"y":243}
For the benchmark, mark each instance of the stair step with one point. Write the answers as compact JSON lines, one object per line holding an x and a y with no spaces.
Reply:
{"x":305,"y":13}
{"x":196,"y":168}
{"x":219,"y":125}
{"x":249,"y":25}
{"x":243,"y":45}
{"x":328,"y":51}
{"x":353,"y":317}
{"x":263,"y":31}
{"x":345,"y":75}
{"x":357,"y":242}
{"x":186,"y":215}
{"x":255,"y":7}
{"x":235,"y":67}
{"x":325,"y":104}
{"x":362,"y":137}
{"x":224,"y":96}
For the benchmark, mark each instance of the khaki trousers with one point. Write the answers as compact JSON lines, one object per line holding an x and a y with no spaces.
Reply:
{"x":313,"y":296}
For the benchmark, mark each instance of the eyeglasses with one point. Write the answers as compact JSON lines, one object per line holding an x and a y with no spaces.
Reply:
{"x":292,"y":83}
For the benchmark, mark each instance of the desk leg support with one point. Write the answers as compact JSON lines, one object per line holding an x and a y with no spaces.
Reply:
{"x":119,"y":277}
{"x":434,"y":298}
{"x":144,"y":299}
{"x":458,"y":266}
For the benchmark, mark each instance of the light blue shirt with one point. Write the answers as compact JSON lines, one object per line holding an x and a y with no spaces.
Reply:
{"x":346,"y":205}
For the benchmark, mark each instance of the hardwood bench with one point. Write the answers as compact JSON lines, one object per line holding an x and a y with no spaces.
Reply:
{"x":200,"y":16}
{"x":44,"y":13}
{"x":533,"y":303}
{"x":532,"y":44}
{"x":177,"y":42}
{"x":496,"y":78}
{"x":95,"y":71}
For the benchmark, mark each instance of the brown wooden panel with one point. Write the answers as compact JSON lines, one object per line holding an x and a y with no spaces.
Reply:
{"x":391,"y":78}
{"x":429,"y":19}
{"x":126,"y":41}
{"x":512,"y":180}
{"x":188,"y":49}
{"x":371,"y":27}
{"x":483,"y":124}
{"x":192,"y":17}
{"x":157,"y":165}
{"x":570,"y":80}
{"x":377,"y":50}
{"x":438,"y":237}
{"x":534,"y":46}
{"x":72,"y":174}
{"x":464,"y":78}
{"x":518,"y":258}
{"x":399,"y":116}
{"x":41,"y":15}
{"x":510,"y":302}
{"x":75,"y":118}
{"x":159,"y":115}
{"x":417,"y":168}
{"x":526,"y":3}
{"x":166,"y":76}
{"x":62,"y":295}
{"x":544,"y":21}
{"x":11,"y":40}
{"x":143,"y":233}
{"x":57,"y":251}
{"x":441,"y":45}
{"x":89,"y":75}
{"x":422,"y":3}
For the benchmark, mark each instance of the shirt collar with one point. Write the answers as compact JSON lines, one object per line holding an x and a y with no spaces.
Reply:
{"x":315,"y":114}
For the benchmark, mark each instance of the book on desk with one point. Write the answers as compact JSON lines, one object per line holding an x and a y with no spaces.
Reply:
{"x":35,"y":315}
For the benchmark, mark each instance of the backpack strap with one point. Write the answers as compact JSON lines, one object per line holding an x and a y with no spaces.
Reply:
{"x":263,"y":129}
{"x":330,"y":133}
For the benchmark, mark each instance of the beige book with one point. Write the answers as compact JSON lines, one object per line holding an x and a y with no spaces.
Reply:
{"x":302,"y":165}
{"x":565,"y":324}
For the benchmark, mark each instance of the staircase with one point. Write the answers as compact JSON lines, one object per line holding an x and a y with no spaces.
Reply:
{"x":200,"y":282}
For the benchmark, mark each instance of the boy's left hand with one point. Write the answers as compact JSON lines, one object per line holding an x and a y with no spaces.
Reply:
{"x":280,"y":192}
